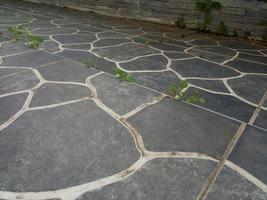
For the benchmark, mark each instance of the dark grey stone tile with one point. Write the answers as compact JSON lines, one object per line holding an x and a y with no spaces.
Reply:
{"x":125,"y":52}
{"x":53,"y":31}
{"x":250,"y":152}
{"x":167,"y":47}
{"x":110,"y":42}
{"x":238,"y":44}
{"x":256,"y":58}
{"x":69,"y":39}
{"x":13,"y":48}
{"x":10,"y":105}
{"x":200,"y":68}
{"x":96,"y":62}
{"x":77,"y":46}
{"x":18,"y":82}
{"x":205,"y":41}
{"x":247,"y":67}
{"x":165,"y":178}
{"x":221,"y":50}
{"x":209,"y":56}
{"x":232,"y":186}
{"x":52,"y":93}
{"x":113,"y":34}
{"x":31,"y":59}
{"x":250,"y":87}
{"x":50,"y":46}
{"x":62,"y":147}
{"x":9,"y":71}
{"x":155,"y":62}
{"x":38,"y":24}
{"x":213,"y":85}
{"x":251,"y":52}
{"x":261,"y":120}
{"x":177,"y":55}
{"x":159,"y":81}
{"x":67,"y":71}
{"x":121,"y":97}
{"x":176,"y":126}
{"x":226,"y":105}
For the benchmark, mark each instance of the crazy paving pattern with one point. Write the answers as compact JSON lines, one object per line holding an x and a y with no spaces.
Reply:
{"x":75,"y":132}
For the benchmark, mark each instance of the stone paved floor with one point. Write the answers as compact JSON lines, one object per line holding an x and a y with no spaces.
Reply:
{"x":72,"y":132}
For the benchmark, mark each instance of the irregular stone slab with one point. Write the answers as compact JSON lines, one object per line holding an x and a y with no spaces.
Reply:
{"x":250,"y":52}
{"x":167,"y":47}
{"x":44,"y":25}
{"x":10,"y":71}
{"x":110,"y":42}
{"x":159,"y":81}
{"x":165,"y":178}
{"x":18,"y":82}
{"x":205,"y":41}
{"x":10,"y":48}
{"x":95,"y":62}
{"x":67,"y":71}
{"x":260,"y":59}
{"x":224,"y":51}
{"x":132,"y":32}
{"x":51,"y":93}
{"x":10,"y":105}
{"x":125,"y":52}
{"x":250,"y":152}
{"x":177,"y":55}
{"x":250,"y":87}
{"x":155,"y":62}
{"x":53,"y":31}
{"x":213,"y":85}
{"x":50,"y":46}
{"x":237,"y":44}
{"x":200,"y":68}
{"x":261,"y":120}
{"x":60,"y":147}
{"x":69,"y":39}
{"x":31,"y":59}
{"x":209,"y":56}
{"x":113,"y":34}
{"x":247,"y":67}
{"x":176,"y":126}
{"x":85,"y":47}
{"x":232,"y":186}
{"x":121,"y":97}
{"x":225,"y":104}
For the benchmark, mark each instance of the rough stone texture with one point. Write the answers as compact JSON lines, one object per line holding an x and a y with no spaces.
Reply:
{"x":167,"y":126}
{"x":238,"y":189}
{"x":165,"y":178}
{"x":66,"y":71}
{"x":52,"y":93}
{"x":10,"y":105}
{"x":262,"y":119}
{"x":250,"y":153}
{"x":18,"y":82}
{"x":13,"y":48}
{"x":63,"y":147}
{"x":121,"y":97}
{"x":213,"y":85}
{"x":248,"y":67}
{"x":200,"y":68}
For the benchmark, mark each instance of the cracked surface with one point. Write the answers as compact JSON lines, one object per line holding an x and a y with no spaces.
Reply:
{"x":70,"y":131}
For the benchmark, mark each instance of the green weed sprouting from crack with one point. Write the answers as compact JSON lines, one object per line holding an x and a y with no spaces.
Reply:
{"x":145,"y":41}
{"x":123,"y":75}
{"x":180,"y":22}
{"x":177,"y":90}
{"x":21,"y":32}
{"x":89,"y":63}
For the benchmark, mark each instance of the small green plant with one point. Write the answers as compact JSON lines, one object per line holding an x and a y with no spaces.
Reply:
{"x":21,"y":32}
{"x":145,"y":41}
{"x":123,"y":75}
{"x":177,"y":90}
{"x":222,"y":29}
{"x":88,"y":63}
{"x":180,"y":23}
{"x":206,"y":7}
